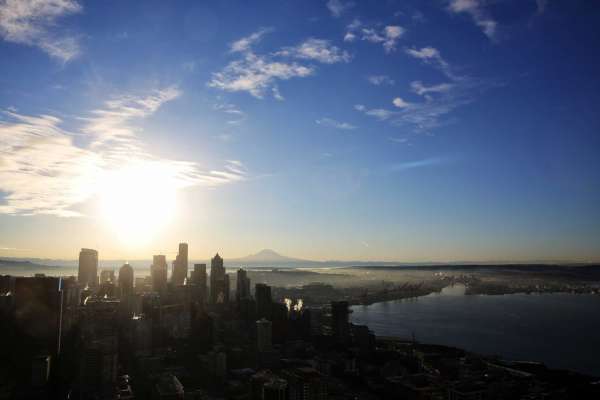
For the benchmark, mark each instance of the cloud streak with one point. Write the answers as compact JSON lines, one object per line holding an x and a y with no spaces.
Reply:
{"x":260,"y":74}
{"x":388,"y":36}
{"x":337,"y":7}
{"x":34,"y":23}
{"x":438,"y":100}
{"x":425,"y":162}
{"x":332,"y":123}
{"x":379,"y":80}
{"x":476,"y":10}
{"x":44,"y":170}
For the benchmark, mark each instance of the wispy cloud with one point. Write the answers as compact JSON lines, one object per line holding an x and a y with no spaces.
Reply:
{"x":316,"y":49}
{"x":429,"y":55}
{"x":338,"y":7}
{"x":398,"y":102}
{"x":44,"y":170}
{"x":7,"y":248}
{"x":34,"y":23}
{"x":475,"y":8}
{"x":237,"y":115}
{"x":332,"y":123}
{"x":388,"y":36}
{"x":438,"y":100}
{"x":419,"y":88}
{"x":259,"y":74}
{"x":425,"y":162}
{"x":379,"y":113}
{"x":245,"y":43}
{"x":379,"y":80}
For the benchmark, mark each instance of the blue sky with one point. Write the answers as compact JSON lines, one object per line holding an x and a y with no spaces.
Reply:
{"x":432,"y":130}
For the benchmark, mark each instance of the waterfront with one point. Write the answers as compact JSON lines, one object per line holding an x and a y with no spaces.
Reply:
{"x":560,"y":330}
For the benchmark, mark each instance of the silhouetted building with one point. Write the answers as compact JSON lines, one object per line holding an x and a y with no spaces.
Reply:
{"x":275,"y":389}
{"x":88,"y":267}
{"x":340,"y":323}
{"x":159,"y":271}
{"x":99,"y":355}
{"x":40,"y":371}
{"x":38,"y":311}
{"x":199,"y":279}
{"x":107,"y":276}
{"x":242,"y":285}
{"x":180,"y":265}
{"x":168,"y":387}
{"x":305,"y":383}
{"x":262,"y":294}
{"x":126,"y":280}
{"x":263,"y":335}
{"x":219,"y":281}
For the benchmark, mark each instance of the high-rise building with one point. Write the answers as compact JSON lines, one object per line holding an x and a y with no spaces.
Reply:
{"x":158,"y":271}
{"x":262,"y":293}
{"x":88,"y":267}
{"x":340,"y":320}
{"x":99,"y":353}
{"x":219,"y":281}
{"x":275,"y":389}
{"x":199,"y":279}
{"x":242,"y":285}
{"x":38,"y":311}
{"x":305,"y":383}
{"x":107,"y":276}
{"x":126,"y":279}
{"x":180,"y":265}
{"x":199,"y":276}
{"x":264,"y":331}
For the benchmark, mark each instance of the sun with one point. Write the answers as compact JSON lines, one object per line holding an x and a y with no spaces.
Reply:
{"x":138,"y":201}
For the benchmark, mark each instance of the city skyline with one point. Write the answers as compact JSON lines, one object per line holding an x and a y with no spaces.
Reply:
{"x":406,"y":131}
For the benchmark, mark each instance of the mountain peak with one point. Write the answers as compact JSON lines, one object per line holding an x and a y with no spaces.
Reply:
{"x":268,"y":253}
{"x":267,"y":256}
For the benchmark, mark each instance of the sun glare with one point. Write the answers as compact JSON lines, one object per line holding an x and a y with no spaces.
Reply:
{"x":138,"y":201}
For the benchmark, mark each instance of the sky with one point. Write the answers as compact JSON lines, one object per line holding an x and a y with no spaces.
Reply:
{"x":414,"y":130}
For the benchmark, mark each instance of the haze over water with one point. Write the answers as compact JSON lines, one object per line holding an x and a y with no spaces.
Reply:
{"x":560,"y":330}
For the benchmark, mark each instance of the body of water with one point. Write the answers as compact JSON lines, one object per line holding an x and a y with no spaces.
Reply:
{"x":560,"y":330}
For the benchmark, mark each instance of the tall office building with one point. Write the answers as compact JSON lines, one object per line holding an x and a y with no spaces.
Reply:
{"x":199,"y":279}
{"x":158,"y":271}
{"x":199,"y":276}
{"x":340,"y":320}
{"x":242,"y":285}
{"x":180,"y":265}
{"x":126,"y":279}
{"x":219,"y":281}
{"x":264,"y":331}
{"x":38,"y":312}
{"x":88,"y":267}
{"x":107,"y":276}
{"x":262,"y":293}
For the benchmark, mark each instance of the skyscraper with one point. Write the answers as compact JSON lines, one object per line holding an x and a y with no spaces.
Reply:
{"x":180,"y":265}
{"x":242,"y":285}
{"x":126,"y":279}
{"x":199,"y":279}
{"x":340,"y":320}
{"x":219,"y":281}
{"x":158,"y":271}
{"x":264,"y":331}
{"x":106,"y":276}
{"x":88,"y":267}
{"x":262,"y":293}
{"x":38,"y":311}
